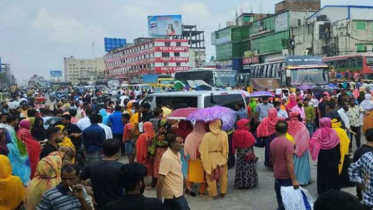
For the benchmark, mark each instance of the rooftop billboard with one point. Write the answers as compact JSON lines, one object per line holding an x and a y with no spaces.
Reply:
{"x":113,"y":43}
{"x":165,"y":25}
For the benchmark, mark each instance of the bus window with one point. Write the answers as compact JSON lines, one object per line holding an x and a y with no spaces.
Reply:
{"x":255,"y":68}
{"x":264,"y":75}
{"x":359,"y":62}
{"x":269,"y":70}
{"x":351,"y":62}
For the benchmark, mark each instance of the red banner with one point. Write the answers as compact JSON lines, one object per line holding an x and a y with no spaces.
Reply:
{"x":170,"y":69}
{"x":173,"y":59}
{"x":250,"y":60}
{"x":171,"y":49}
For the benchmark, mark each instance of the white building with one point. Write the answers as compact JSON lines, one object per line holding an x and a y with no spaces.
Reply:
{"x":336,"y":30}
{"x":77,"y":70}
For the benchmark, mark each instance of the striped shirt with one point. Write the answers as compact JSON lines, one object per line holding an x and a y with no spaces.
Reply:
{"x":361,"y":172}
{"x":58,"y":199}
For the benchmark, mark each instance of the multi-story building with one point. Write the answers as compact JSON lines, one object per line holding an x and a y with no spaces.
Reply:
{"x":297,"y":5}
{"x":196,"y":42}
{"x":336,"y":30}
{"x":6,"y":76}
{"x":147,"y":56}
{"x":232,"y":41}
{"x":83,"y":70}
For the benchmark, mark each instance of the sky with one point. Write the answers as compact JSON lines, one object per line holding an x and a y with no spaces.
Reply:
{"x":35,"y":35}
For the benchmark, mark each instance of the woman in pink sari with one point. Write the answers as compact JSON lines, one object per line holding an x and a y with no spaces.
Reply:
{"x":33,"y":146}
{"x":301,"y":137}
{"x":325,"y":147}
{"x":267,"y":131}
{"x":292,"y":102}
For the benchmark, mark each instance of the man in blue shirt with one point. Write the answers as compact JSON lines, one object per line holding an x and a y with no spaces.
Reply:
{"x":93,"y":137}
{"x":116,"y":124}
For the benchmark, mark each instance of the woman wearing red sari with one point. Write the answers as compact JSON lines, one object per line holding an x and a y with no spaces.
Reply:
{"x":33,"y":146}
{"x":267,"y":131}
{"x":142,"y":144}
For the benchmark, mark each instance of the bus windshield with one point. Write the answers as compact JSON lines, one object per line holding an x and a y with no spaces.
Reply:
{"x":225,"y":78}
{"x":317,"y":76}
{"x":369,"y":61}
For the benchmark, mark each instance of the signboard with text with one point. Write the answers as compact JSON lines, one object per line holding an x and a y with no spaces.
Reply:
{"x":250,"y":60}
{"x":165,"y":25}
{"x":171,"y":49}
{"x":55,"y":73}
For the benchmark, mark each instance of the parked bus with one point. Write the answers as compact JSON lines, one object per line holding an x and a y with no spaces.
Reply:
{"x":213,"y":77}
{"x":362,"y":63}
{"x":292,"y":71}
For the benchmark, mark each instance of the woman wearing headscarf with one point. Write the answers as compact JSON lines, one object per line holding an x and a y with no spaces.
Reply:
{"x":142,"y":144}
{"x":69,"y":152}
{"x":17,"y":155}
{"x":38,"y":130}
{"x":160,"y":145}
{"x":243,"y":141}
{"x":324,"y":147}
{"x":48,"y":176}
{"x":292,"y":102}
{"x":267,"y":131}
{"x":12,"y":191}
{"x":104,"y":115}
{"x":33,"y":147}
{"x":367,"y":106}
{"x":196,"y":173}
{"x":184,"y":128}
{"x":214,"y":151}
{"x":299,"y":132}
{"x":344,"y":162}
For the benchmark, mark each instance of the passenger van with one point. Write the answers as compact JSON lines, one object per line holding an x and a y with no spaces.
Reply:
{"x":198,"y":99}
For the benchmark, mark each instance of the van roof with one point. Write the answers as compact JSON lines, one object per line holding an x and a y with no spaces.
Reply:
{"x":195,"y":93}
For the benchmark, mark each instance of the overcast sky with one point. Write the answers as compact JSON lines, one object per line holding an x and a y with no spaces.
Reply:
{"x":35,"y":35}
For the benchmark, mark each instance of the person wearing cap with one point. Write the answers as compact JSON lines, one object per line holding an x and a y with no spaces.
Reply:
{"x":132,"y":180}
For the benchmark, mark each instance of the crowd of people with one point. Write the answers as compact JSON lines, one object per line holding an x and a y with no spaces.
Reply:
{"x":68,"y":157}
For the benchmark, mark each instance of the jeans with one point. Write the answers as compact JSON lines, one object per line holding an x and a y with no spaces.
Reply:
{"x":309,"y":126}
{"x":119,"y":137}
{"x":357,"y":130}
{"x":179,"y":203}
{"x":278,"y":184}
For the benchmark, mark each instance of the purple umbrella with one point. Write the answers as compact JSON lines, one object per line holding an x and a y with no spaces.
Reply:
{"x":227,"y":115}
{"x":261,"y":94}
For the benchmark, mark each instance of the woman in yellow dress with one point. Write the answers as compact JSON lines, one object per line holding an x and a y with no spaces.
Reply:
{"x":196,"y":173}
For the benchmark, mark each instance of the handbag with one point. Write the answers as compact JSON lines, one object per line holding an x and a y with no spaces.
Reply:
{"x":259,"y":142}
{"x":250,"y":157}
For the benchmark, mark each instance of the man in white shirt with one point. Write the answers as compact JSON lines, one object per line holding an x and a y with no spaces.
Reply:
{"x":344,"y":115}
{"x":107,"y":129}
{"x":85,"y":122}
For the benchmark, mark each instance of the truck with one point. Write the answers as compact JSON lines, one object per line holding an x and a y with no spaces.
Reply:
{"x":158,"y":81}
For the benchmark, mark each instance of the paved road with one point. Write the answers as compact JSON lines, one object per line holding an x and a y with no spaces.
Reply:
{"x":263,"y":197}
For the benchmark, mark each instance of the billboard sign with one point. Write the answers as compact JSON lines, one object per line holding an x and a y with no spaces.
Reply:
{"x":281,"y":22}
{"x":171,"y":49}
{"x":250,"y":60}
{"x":55,"y":73}
{"x":113,"y":43}
{"x":165,"y":25}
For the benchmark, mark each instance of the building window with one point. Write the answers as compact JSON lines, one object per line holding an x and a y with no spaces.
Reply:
{"x":178,"y":44}
{"x":176,"y":54}
{"x":361,"y":25}
{"x":165,"y":54}
{"x":178,"y":64}
{"x":167,"y":44}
